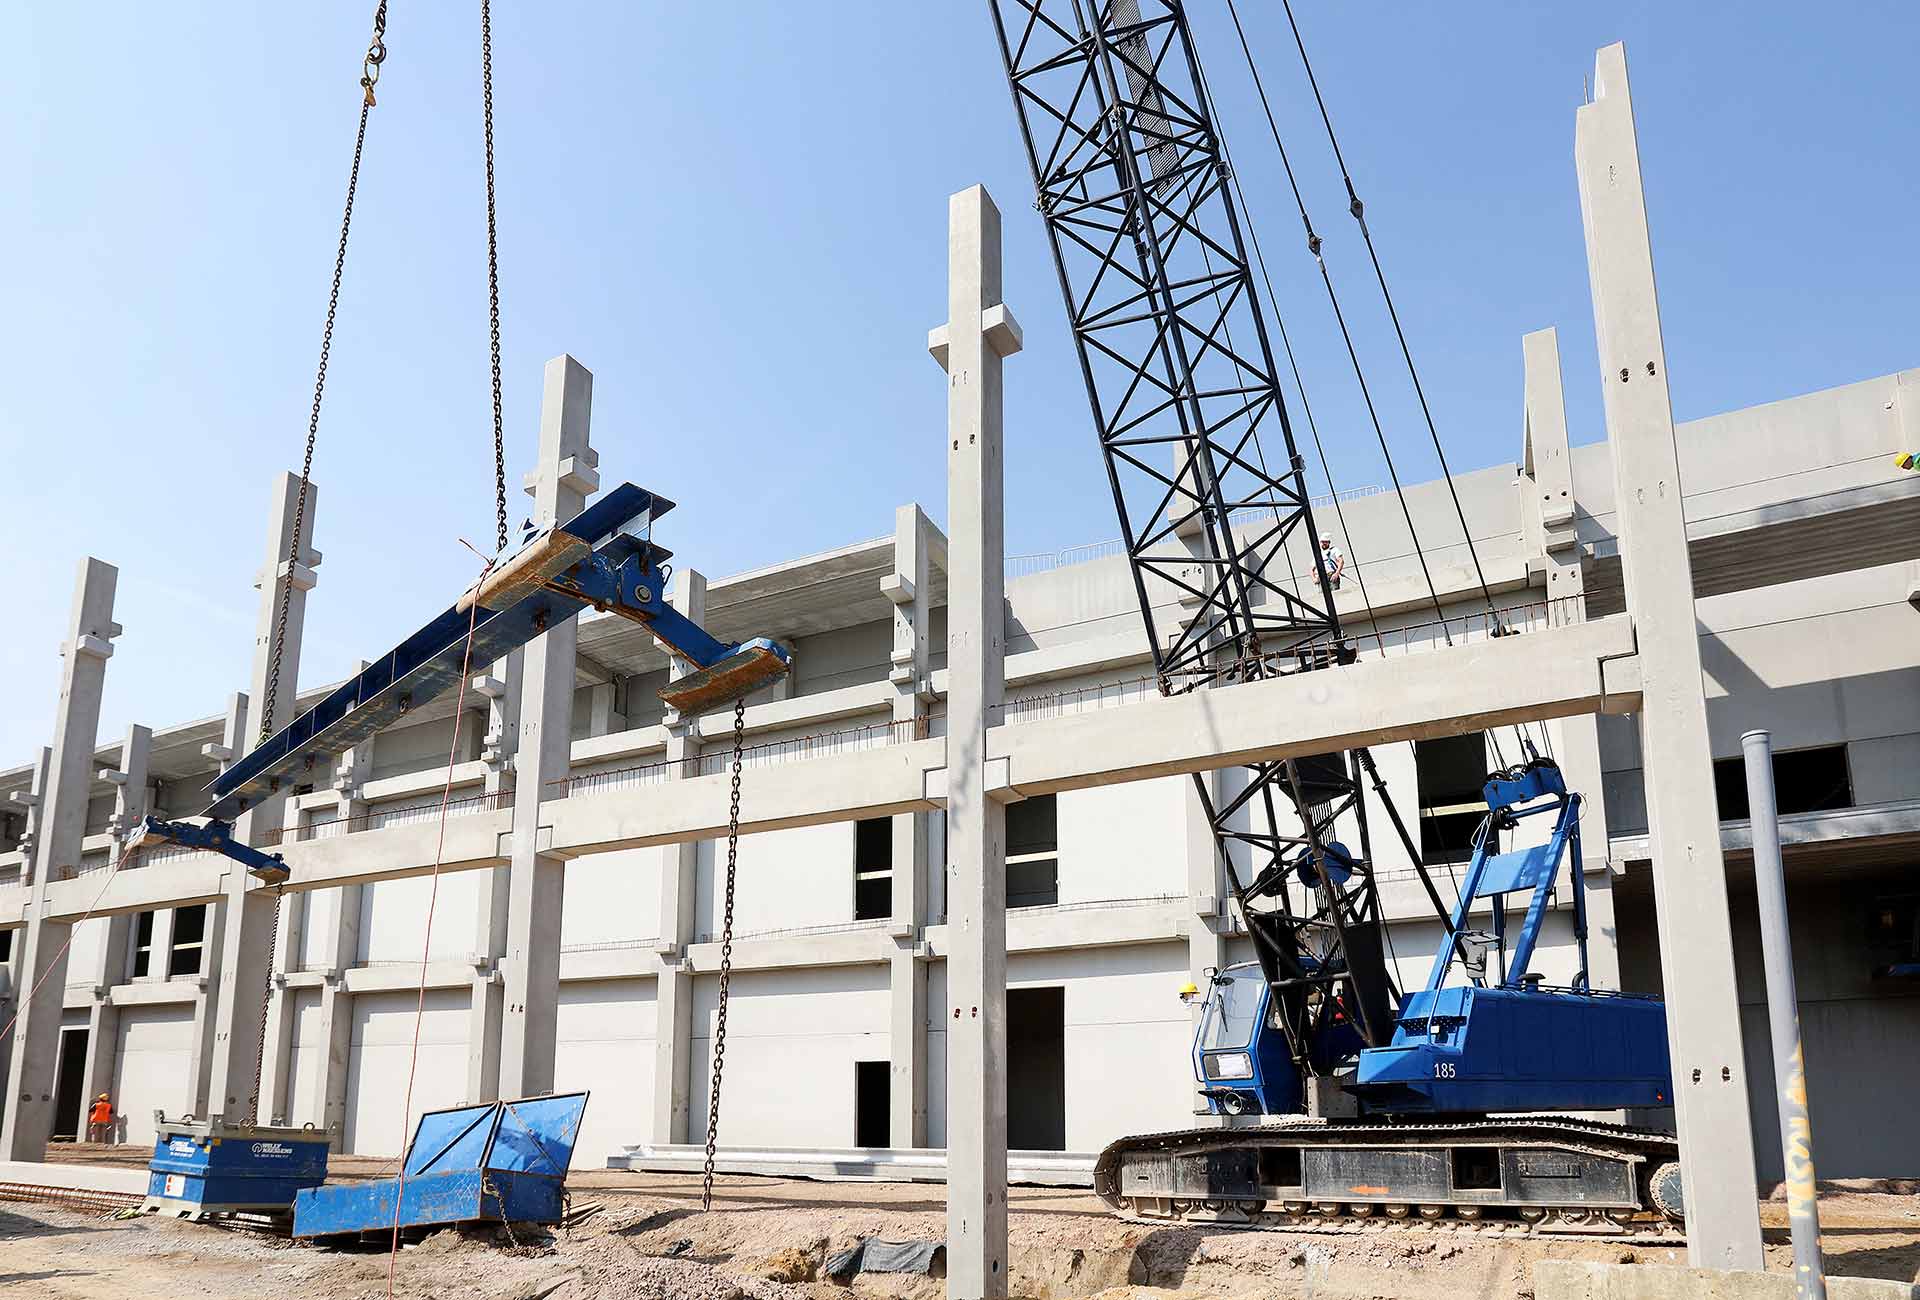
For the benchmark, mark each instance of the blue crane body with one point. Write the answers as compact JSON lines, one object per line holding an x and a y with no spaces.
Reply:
{"x":1417,"y":1132}
{"x":603,"y":558}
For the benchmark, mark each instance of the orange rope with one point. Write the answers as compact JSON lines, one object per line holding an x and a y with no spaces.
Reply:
{"x":426,"y":943}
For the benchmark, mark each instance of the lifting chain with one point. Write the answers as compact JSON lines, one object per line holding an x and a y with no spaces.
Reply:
{"x":493,"y":284}
{"x":726,"y":955}
{"x":369,"y":77}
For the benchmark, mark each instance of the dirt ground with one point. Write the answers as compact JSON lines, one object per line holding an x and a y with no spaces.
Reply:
{"x":767,"y":1238}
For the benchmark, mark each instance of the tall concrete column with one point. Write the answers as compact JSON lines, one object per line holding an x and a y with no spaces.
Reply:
{"x":978,"y":333}
{"x":679,"y":888}
{"x":234,"y":742}
{"x":1555,"y":549}
{"x":248,"y":916}
{"x":910,"y":589}
{"x":27,"y":1120}
{"x":335,"y":942}
{"x":30,"y":802}
{"x":500,"y":687}
{"x":276,"y":1062}
{"x":536,"y":881}
{"x":129,"y":782}
{"x":1690,"y":883}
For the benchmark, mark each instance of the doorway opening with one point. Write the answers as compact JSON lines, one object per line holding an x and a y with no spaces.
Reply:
{"x":70,"y":1085}
{"x":1037,"y":1069}
{"x":872,"y":1121}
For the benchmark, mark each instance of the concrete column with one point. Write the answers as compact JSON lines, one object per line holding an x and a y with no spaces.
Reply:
{"x":1549,"y":513}
{"x":234,"y":742}
{"x":275,"y":1081}
{"x":27,"y":1120}
{"x":1690,"y":884}
{"x":500,"y":687}
{"x":910,"y":589}
{"x":679,"y":888}
{"x":978,"y":333}
{"x":30,"y":802}
{"x":129,"y":782}
{"x":536,"y":881}
{"x":1213,"y":908}
{"x":249,"y":914}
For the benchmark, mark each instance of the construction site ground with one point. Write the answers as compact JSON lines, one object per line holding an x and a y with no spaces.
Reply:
{"x":768,"y":1237}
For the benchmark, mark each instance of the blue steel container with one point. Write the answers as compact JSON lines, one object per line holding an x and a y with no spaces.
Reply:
{"x":504,"y":1160}
{"x":212,"y":1167}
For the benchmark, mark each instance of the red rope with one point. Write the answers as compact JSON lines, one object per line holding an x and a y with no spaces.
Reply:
{"x":426,"y":943}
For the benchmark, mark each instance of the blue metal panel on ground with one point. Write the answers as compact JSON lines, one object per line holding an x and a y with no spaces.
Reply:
{"x":1486,"y":1050}
{"x":210,"y":1167}
{"x":506,"y":1160}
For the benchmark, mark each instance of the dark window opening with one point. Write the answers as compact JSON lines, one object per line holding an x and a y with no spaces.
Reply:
{"x":873,"y":869}
{"x":6,"y":946}
{"x":1804,"y":780}
{"x":872,"y":1107}
{"x":189,"y":937}
{"x":142,"y":943}
{"x":1476,"y":1169}
{"x":1037,"y":1069}
{"x":1033,"y":852}
{"x":1451,"y":772}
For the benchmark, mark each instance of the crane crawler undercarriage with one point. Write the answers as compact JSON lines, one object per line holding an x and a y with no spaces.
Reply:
{"x":1541,"y":1174}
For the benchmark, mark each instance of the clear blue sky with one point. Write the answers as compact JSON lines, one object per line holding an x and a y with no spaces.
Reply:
{"x":734,"y":215}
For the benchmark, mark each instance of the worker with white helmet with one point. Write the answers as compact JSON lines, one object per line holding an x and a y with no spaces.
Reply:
{"x":1332,"y":559}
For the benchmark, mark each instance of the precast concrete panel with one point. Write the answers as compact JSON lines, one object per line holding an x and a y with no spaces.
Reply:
{"x":1123,"y":841}
{"x":393,"y":917}
{"x":382,"y":1054}
{"x":153,"y":1067}
{"x":786,"y":880}
{"x":848,"y":656}
{"x":1127,"y":1037}
{"x":316,"y":936}
{"x":792,"y":1039}
{"x":304,"y":1007}
{"x":612,"y":897}
{"x":605,"y":1046}
{"x":83,"y":956}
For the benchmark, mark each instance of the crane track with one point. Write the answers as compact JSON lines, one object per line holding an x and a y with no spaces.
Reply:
{"x":1335,"y":1215}
{"x":1627,"y":1233}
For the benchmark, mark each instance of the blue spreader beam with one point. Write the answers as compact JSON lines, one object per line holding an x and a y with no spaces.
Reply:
{"x":602,"y":558}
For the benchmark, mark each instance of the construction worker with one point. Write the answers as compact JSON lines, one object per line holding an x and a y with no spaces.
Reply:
{"x":100,"y":1120}
{"x":1335,"y":562}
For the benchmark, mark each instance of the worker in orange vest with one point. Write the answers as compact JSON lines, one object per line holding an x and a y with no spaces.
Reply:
{"x":100,"y":1120}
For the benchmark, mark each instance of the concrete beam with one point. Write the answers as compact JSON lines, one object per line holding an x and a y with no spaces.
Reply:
{"x":1690,"y":880}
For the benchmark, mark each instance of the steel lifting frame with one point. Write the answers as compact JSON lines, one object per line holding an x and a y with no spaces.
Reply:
{"x":603,"y":558}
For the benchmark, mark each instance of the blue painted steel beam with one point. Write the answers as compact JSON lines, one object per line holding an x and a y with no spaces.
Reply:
{"x":623,"y":573}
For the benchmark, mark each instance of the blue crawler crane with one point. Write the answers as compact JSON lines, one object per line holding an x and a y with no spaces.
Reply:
{"x":603,"y":558}
{"x":1467,"y":1110}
